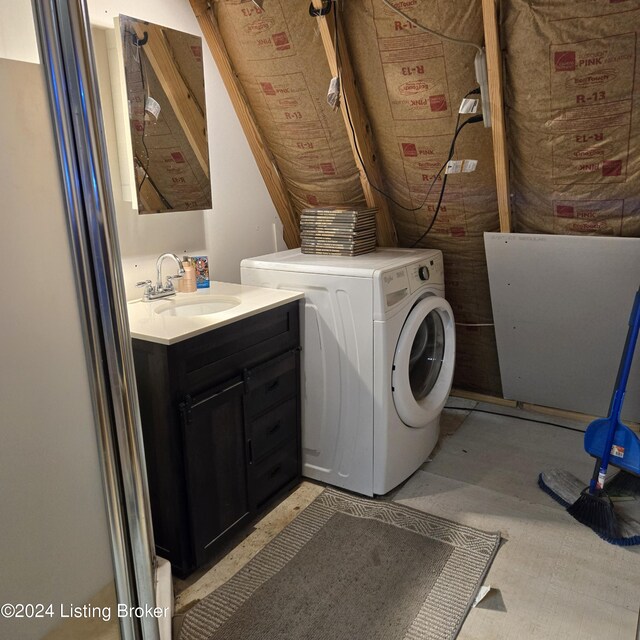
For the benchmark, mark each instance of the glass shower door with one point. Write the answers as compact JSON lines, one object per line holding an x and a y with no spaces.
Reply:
{"x":55,"y":553}
{"x":76,"y":555}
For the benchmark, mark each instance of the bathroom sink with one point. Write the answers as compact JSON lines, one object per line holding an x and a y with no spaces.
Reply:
{"x":170,"y":320}
{"x":202,"y":306}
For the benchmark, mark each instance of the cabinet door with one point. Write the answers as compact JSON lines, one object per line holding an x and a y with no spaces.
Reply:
{"x":215,"y":465}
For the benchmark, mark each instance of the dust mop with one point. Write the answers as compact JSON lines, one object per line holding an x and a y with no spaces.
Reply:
{"x":610,"y":442}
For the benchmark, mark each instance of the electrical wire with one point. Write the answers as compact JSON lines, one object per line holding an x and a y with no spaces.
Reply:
{"x":475,"y":324}
{"x":442,"y":168}
{"x":466,"y":43}
{"x":144,"y":105}
{"x":138,"y":46}
{"x":165,"y":202}
{"x":353,"y":133}
{"x":510,"y":415}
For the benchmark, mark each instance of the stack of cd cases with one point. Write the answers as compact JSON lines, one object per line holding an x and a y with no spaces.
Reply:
{"x":338,"y":231}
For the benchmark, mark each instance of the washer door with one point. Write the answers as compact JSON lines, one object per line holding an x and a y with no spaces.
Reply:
{"x":423,"y":362}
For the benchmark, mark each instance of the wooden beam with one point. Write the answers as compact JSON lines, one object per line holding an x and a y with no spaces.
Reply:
{"x":534,"y":408}
{"x":558,"y":413}
{"x":360,"y":135}
{"x":481,"y":397}
{"x":494,"y":71}
{"x":266,"y":162}
{"x":189,"y":113}
{"x":148,"y":195}
{"x":569,"y":415}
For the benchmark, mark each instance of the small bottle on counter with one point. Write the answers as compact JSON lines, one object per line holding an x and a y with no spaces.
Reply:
{"x":187,"y":284}
{"x":201,"y":265}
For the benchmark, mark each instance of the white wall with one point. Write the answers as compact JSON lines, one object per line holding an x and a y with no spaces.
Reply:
{"x":17,"y":31}
{"x":243,"y":221}
{"x":142,"y":237}
{"x":53,"y":527}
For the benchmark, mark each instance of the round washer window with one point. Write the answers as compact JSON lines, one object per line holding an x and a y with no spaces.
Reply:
{"x":423,"y":363}
{"x":427,"y":355}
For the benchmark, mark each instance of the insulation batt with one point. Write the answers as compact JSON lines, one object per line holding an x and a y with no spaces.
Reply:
{"x":412,"y":84}
{"x":573,"y":115}
{"x":280,"y":60}
{"x":572,"y":102}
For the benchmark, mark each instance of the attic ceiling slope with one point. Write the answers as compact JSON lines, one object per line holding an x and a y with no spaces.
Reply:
{"x":357,"y":123}
{"x":403,"y":96}
{"x":265,"y":160}
{"x":279,"y":59}
{"x":413,"y":83}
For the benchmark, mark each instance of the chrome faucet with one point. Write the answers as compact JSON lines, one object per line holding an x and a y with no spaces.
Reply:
{"x":169,"y":284}
{"x":161,"y":290}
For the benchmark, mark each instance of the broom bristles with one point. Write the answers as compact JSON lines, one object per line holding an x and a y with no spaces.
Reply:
{"x":596,"y":512}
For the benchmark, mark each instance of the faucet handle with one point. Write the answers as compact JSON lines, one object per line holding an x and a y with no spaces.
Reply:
{"x":148,"y":289}
{"x":169,"y":286}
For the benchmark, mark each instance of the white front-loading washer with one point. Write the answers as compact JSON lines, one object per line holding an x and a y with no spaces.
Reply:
{"x":378,"y":349}
{"x":414,"y":355}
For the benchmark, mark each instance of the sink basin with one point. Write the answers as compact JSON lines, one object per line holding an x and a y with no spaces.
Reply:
{"x":186,"y":315}
{"x":202,"y":306}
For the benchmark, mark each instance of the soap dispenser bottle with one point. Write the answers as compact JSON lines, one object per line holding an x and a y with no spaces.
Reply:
{"x":188,"y":281}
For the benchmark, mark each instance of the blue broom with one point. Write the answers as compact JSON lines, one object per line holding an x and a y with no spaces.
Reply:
{"x":611,"y":443}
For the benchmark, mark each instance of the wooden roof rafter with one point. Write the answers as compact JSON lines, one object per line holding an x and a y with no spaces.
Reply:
{"x":188,"y":112}
{"x":264,"y":158}
{"x":356,"y":123}
{"x":498,"y":131}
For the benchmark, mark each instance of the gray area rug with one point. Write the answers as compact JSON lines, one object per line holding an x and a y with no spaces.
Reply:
{"x":350,"y":568}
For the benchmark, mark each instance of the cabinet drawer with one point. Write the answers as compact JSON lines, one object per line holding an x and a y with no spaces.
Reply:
{"x":271,"y":383}
{"x":275,"y":472}
{"x":212,"y":357}
{"x":273,"y":429}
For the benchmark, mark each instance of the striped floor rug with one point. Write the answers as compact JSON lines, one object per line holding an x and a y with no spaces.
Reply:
{"x":350,"y":568}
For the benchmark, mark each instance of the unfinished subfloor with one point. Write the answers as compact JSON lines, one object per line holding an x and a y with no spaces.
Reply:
{"x":552,"y":578}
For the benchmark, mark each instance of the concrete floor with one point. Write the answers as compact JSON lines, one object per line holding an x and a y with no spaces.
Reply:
{"x":552,"y":578}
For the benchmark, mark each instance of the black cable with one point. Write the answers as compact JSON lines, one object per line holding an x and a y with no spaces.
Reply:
{"x":139,"y":44}
{"x":444,"y":180}
{"x":353,"y":134}
{"x":166,"y":203}
{"x":510,"y":415}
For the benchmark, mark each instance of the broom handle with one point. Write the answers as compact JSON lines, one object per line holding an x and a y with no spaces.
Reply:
{"x":627,"y":359}
{"x":619,"y":391}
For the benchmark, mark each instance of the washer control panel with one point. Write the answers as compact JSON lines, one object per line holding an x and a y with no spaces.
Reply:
{"x":395,"y":286}
{"x":427,"y":271}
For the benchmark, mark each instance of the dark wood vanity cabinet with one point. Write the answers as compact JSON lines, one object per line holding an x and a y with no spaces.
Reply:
{"x":221,"y":425}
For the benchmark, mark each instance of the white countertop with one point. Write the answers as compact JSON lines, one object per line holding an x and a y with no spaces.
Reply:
{"x":146,"y":323}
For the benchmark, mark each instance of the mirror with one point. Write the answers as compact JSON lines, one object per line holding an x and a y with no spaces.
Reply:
{"x":167,"y":117}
